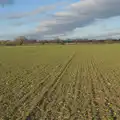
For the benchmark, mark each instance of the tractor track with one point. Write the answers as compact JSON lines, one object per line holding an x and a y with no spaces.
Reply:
{"x":50,"y":87}
{"x":24,"y":99}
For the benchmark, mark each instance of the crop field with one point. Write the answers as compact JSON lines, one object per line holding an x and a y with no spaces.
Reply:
{"x":60,"y":82}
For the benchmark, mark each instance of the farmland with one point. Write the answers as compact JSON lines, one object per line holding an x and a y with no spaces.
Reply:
{"x":60,"y":82}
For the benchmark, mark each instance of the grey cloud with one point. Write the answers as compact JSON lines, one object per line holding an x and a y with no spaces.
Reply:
{"x":79,"y":14}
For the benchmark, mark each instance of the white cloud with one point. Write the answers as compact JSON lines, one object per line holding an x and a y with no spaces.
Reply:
{"x":79,"y":14}
{"x":39,"y":10}
{"x":34,"y":12}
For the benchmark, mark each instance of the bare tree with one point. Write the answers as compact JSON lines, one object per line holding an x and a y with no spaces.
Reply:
{"x":20,"y":40}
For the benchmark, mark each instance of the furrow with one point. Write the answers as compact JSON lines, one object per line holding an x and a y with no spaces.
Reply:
{"x":107,"y":91}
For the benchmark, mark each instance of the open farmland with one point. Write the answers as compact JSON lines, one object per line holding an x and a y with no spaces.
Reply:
{"x":60,"y":82}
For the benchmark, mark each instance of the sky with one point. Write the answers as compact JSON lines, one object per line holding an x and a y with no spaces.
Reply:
{"x":48,"y":19}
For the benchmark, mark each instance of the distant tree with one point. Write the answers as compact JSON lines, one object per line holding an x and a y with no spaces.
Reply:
{"x":10,"y":43}
{"x":20,"y":40}
{"x":62,"y":42}
{"x":42,"y":42}
{"x":4,"y":42}
{"x":58,"y":41}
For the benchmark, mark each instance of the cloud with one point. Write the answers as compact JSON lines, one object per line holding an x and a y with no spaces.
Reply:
{"x":106,"y":35}
{"x":34,"y":12}
{"x":79,"y":14}
{"x":40,"y":10}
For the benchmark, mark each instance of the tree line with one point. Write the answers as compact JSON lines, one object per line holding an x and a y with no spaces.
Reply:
{"x":24,"y":41}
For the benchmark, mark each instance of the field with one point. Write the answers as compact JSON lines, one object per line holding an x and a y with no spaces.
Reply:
{"x":60,"y":82}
